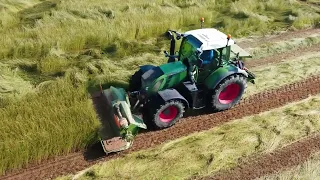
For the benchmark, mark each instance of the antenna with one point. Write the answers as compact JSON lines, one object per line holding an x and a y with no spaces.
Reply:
{"x":228,"y":37}
{"x":202,"y":21}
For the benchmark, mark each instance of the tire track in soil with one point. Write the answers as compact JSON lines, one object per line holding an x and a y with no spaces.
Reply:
{"x":286,"y":56}
{"x":279,"y":37}
{"x":252,"y":105}
{"x":278,"y":160}
{"x":313,"y":4}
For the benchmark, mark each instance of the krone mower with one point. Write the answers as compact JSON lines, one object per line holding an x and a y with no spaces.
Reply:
{"x":206,"y":72}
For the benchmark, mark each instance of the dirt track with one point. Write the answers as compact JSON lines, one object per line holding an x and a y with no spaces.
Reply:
{"x":258,"y":166}
{"x":255,"y":104}
{"x":279,"y":37}
{"x":299,"y":52}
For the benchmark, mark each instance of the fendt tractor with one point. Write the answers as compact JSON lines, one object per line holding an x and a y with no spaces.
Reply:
{"x":206,"y":72}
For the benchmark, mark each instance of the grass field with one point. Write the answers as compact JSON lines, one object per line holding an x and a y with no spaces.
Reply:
{"x":268,"y":49}
{"x":215,"y":149}
{"x":289,"y":71}
{"x":307,"y":170}
{"x":53,"y":52}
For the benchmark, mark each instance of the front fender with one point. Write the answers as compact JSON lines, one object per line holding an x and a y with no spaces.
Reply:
{"x":221,"y":73}
{"x":170,"y":94}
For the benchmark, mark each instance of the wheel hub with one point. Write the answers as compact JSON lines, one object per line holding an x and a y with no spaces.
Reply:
{"x":168,"y":114}
{"x":229,"y":94}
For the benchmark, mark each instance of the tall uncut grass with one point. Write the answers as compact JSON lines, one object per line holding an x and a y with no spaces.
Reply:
{"x":57,"y":119}
{"x":114,"y":27}
{"x":53,"y":52}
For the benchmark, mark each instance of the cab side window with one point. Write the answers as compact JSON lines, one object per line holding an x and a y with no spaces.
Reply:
{"x":207,"y":56}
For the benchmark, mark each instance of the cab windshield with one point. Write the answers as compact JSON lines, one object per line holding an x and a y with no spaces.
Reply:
{"x":188,"y":47}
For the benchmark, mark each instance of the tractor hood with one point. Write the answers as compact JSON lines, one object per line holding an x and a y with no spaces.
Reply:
{"x":173,"y":68}
{"x":164,"y":76}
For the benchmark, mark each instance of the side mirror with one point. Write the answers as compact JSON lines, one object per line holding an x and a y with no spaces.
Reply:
{"x":166,"y":54}
{"x":199,"y":52}
{"x":170,"y":34}
{"x":199,"y":62}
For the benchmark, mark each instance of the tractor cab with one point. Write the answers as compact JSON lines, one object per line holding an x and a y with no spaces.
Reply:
{"x":208,"y":48}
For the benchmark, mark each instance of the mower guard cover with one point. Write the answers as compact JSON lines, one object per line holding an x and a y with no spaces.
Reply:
{"x":121,"y":125}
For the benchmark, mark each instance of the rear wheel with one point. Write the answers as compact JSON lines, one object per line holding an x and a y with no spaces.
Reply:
{"x":165,"y":115}
{"x":229,"y":92}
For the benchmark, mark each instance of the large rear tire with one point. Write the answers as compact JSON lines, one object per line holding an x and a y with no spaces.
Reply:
{"x":162,"y":116}
{"x":229,"y":92}
{"x":135,"y":81}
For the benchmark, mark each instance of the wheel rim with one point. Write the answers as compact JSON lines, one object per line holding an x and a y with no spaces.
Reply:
{"x":229,"y":94}
{"x":168,"y":114}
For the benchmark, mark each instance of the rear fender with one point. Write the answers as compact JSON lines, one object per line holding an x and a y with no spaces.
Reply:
{"x":221,"y":73}
{"x":172,"y":94}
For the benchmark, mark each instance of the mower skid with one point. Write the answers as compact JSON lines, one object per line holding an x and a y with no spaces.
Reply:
{"x":115,"y":144}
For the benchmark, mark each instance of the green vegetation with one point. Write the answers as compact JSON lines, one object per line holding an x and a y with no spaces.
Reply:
{"x":289,"y":71}
{"x":215,"y":149}
{"x":53,"y":52}
{"x":55,"y":121}
{"x":268,"y":49}
{"x":307,"y":170}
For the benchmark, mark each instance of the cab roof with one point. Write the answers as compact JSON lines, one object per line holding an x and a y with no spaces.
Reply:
{"x":211,"y":38}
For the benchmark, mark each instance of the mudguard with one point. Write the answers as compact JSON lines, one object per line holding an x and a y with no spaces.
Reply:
{"x":221,"y":73}
{"x":170,"y":94}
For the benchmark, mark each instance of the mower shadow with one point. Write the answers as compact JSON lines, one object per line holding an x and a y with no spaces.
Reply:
{"x":95,"y":151}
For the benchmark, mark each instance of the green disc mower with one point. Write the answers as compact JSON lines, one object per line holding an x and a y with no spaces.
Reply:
{"x":206,"y":72}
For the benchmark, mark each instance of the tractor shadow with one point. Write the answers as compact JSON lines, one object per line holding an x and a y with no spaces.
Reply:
{"x":95,"y":151}
{"x":199,"y":112}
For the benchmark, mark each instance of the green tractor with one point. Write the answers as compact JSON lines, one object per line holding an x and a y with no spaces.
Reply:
{"x":206,"y":72}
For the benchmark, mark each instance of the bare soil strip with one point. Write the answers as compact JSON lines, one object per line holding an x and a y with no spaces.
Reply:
{"x":286,"y":56}
{"x":260,"y":102}
{"x":279,"y":37}
{"x":288,"y":156}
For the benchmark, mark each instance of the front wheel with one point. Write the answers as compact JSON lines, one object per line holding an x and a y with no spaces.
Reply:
{"x":165,"y":115}
{"x":229,"y":92}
